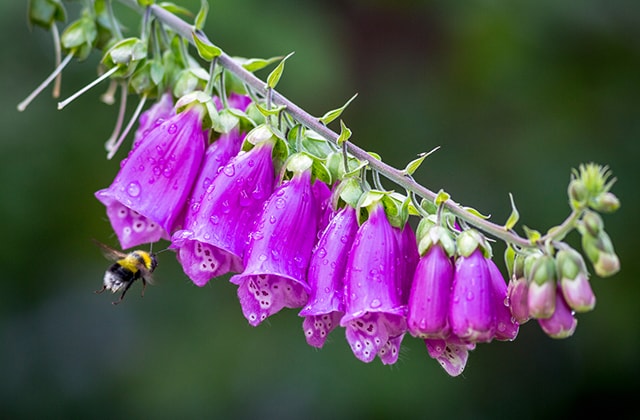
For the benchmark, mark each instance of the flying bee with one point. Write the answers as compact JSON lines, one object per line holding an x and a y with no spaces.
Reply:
{"x":126,"y":269}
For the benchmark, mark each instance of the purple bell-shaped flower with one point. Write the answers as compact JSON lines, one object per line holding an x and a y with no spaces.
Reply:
{"x":279,"y":250}
{"x":218,"y":222}
{"x":326,"y":277}
{"x":506,"y":326}
{"x":374,"y":313}
{"x":145,"y":200}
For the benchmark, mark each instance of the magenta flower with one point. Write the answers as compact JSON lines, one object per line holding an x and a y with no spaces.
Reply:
{"x":326,"y":277}
{"x":146,"y":198}
{"x":452,"y":353}
{"x":472,"y":312}
{"x":218,"y":222}
{"x":374,"y":313}
{"x":428,"y":315}
{"x":154,"y":116}
{"x":562,"y":323}
{"x":506,"y":327}
{"x":408,"y":259}
{"x":279,"y":250}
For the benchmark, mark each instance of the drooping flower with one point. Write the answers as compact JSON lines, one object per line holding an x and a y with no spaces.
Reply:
{"x":326,"y":277}
{"x":279,"y":250}
{"x":428,"y":315}
{"x":452,"y":353}
{"x":154,"y":116}
{"x":374,"y":313}
{"x":218,"y":222}
{"x":518,"y":293}
{"x":146,"y":198}
{"x":562,"y":323}
{"x":408,"y":259}
{"x":506,"y":327}
{"x":472,"y":313}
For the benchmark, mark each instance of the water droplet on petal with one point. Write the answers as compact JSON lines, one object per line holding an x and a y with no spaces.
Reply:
{"x":470,"y":295}
{"x":214,"y":219}
{"x":172,"y":129}
{"x":280,"y":203}
{"x":322,"y":252}
{"x":375,"y":303}
{"x":229,"y":170}
{"x":133,"y":189}
{"x":272,"y":219}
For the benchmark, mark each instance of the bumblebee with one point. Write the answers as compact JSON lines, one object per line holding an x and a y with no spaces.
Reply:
{"x":126,"y":269}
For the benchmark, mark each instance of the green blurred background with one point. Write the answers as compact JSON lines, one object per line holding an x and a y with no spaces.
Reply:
{"x":515,"y":93}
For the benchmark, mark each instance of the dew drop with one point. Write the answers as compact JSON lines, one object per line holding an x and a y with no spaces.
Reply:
{"x":344,"y":239}
{"x":133,"y":189}
{"x":280,"y":203}
{"x":375,"y":303}
{"x":229,"y":170}
{"x":322,"y":252}
{"x":470,"y":295}
{"x":275,"y":254}
{"x":214,"y":219}
{"x":262,"y":257}
{"x":327,"y":290}
{"x":272,"y":219}
{"x":172,"y":129}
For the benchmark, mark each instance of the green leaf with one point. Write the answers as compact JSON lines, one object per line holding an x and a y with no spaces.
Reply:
{"x":441,"y":198}
{"x":205,"y":48}
{"x":345,"y":133}
{"x":224,"y":121}
{"x":45,"y":12}
{"x":533,"y":235}
{"x":476,"y":212}
{"x":274,"y":76}
{"x":156,"y":72}
{"x":175,"y":9}
{"x":270,"y":112}
{"x":415,"y":164}
{"x":255,"y":64}
{"x":335,"y":113}
{"x":145,"y":3}
{"x":514,"y":217}
{"x":201,"y":17}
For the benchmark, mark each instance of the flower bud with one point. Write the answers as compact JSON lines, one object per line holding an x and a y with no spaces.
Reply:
{"x":542,"y":288}
{"x":600,"y":252}
{"x":592,"y":222}
{"x":606,"y":202}
{"x":578,"y":194}
{"x":518,"y":295}
{"x":574,"y":280}
{"x":562,"y":323}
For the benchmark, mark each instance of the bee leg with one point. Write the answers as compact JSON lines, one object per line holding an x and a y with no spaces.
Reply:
{"x":123,"y":293}
{"x":97,"y":292}
{"x":144,"y":286}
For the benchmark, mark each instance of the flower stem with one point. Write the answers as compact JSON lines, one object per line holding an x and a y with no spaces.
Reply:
{"x":186,"y":30}
{"x":24,"y":104}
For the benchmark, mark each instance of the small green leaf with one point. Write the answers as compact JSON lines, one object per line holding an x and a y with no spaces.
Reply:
{"x":415,"y":164}
{"x":335,"y":113}
{"x":274,"y":76}
{"x":201,"y":17}
{"x":145,"y":3}
{"x":175,"y":9}
{"x":476,"y":212}
{"x":375,"y":155}
{"x":255,"y":64}
{"x":350,"y":191}
{"x":157,"y":72}
{"x":514,"y":217}
{"x":270,"y":112}
{"x":345,"y":133}
{"x":441,"y":198}
{"x":533,"y":235}
{"x":224,"y":121}
{"x":205,"y":48}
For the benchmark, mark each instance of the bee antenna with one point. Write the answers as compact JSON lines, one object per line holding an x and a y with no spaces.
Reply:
{"x":166,"y":249}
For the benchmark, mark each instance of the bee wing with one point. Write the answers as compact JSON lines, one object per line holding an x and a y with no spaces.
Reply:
{"x":108,"y":252}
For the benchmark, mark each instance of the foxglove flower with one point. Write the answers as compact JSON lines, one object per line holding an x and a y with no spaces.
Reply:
{"x":374,"y":313}
{"x":562,"y":323}
{"x":428,"y":315}
{"x":472,"y":313}
{"x":217,"y":224}
{"x":506,"y":326}
{"x":408,"y":259}
{"x":326,"y":277}
{"x":452,"y":353}
{"x":154,"y":116}
{"x":146,"y":198}
{"x":277,"y":257}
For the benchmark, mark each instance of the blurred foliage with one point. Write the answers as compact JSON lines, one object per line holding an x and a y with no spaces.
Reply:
{"x":516,"y":93}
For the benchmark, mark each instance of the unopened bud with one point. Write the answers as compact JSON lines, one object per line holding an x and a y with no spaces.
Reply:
{"x":600,"y":252}
{"x":605,"y":203}
{"x":542,"y":288}
{"x":578,"y":194}
{"x":518,"y":294}
{"x":592,"y":222}
{"x":562,"y":323}
{"x":574,"y":280}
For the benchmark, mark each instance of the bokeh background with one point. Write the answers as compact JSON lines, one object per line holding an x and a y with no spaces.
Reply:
{"x":515,"y":93}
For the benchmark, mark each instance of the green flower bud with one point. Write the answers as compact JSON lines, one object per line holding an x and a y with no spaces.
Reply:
{"x":600,"y":252}
{"x":578,"y":194}
{"x":592,"y":222}
{"x":574,"y":280}
{"x":542,"y":288}
{"x":605,"y":203}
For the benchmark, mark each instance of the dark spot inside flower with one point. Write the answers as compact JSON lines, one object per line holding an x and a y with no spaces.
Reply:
{"x":359,"y":324}
{"x":265,"y":293}
{"x":207,"y":252}
{"x":370,"y":328}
